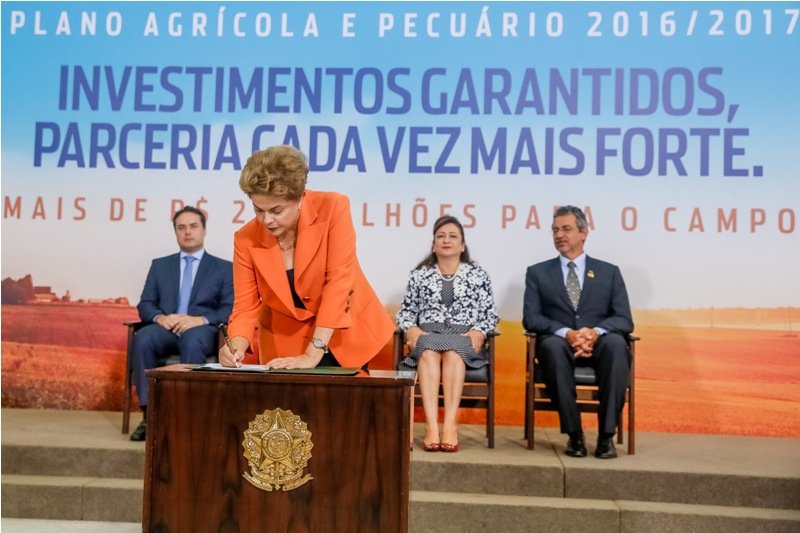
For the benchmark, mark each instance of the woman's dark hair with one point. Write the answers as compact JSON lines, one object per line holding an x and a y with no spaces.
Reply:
{"x":430,"y":260}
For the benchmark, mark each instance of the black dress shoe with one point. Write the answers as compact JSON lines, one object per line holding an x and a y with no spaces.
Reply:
{"x":140,"y":433}
{"x":605,"y":447}
{"x":576,"y":447}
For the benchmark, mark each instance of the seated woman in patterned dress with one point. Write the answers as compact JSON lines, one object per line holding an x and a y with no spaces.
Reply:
{"x":446,"y":314}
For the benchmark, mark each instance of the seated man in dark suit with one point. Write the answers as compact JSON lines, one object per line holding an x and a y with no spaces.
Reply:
{"x":579,"y":308}
{"x":186,"y":295}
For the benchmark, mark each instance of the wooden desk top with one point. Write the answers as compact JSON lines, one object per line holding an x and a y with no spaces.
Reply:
{"x":377,"y":378}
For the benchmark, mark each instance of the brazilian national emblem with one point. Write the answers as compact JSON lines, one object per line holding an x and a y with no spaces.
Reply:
{"x":277,"y":446}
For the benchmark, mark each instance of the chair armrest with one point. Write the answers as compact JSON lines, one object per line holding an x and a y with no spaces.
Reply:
{"x":134,"y":326}
{"x":632,"y":346}
{"x":490,"y":355}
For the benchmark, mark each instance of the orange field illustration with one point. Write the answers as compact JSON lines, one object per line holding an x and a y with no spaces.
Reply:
{"x":688,"y":380}
{"x":64,"y":356}
{"x":725,"y":372}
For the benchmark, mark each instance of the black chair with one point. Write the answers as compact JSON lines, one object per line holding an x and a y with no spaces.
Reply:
{"x":478,"y":382}
{"x":133,"y":327}
{"x":536,"y":396}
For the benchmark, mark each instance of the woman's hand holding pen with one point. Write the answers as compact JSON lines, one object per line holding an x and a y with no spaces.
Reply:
{"x":232,"y":352}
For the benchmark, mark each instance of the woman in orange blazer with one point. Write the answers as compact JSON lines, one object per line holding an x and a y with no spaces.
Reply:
{"x":299,"y":289}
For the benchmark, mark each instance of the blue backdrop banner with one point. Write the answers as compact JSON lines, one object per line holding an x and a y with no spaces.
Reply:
{"x":673,"y":124}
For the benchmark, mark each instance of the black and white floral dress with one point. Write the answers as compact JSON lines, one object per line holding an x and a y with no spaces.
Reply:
{"x":445,"y":308}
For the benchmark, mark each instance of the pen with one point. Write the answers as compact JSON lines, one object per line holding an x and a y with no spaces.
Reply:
{"x":224,"y":329}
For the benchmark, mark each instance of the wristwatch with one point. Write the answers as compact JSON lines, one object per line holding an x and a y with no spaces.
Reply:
{"x":319,"y":344}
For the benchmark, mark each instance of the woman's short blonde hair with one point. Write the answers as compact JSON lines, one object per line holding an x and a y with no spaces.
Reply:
{"x":277,"y":171}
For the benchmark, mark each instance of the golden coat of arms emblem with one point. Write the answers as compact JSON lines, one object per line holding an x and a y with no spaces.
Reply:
{"x":277,"y":446}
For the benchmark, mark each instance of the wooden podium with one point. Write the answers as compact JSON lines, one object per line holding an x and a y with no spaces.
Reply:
{"x":351,"y":433}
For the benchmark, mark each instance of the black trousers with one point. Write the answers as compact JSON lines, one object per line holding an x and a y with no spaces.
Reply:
{"x":611,"y":362}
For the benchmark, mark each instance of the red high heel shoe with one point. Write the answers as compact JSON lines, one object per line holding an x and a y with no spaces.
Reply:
{"x":448,"y":448}
{"x":432,"y":447}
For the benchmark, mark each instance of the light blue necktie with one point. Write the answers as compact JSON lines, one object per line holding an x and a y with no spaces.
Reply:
{"x":186,"y":286}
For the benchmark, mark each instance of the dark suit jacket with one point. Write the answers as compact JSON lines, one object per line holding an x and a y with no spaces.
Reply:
{"x":604,"y":300}
{"x":212,"y":291}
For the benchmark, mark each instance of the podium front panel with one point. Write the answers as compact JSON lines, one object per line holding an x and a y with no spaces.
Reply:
{"x":195,"y":460}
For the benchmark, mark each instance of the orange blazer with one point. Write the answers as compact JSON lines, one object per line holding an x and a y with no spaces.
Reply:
{"x":327,"y":277}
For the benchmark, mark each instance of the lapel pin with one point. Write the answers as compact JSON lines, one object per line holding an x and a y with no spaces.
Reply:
{"x":590,"y":274}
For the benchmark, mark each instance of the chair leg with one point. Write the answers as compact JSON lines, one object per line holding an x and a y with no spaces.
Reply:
{"x":530,"y":410}
{"x":530,"y":406}
{"x":490,"y":419}
{"x":530,"y":413}
{"x":126,"y":404}
{"x":527,"y":406}
{"x":631,"y":428}
{"x":126,"y":408}
{"x":632,"y":400}
{"x":526,"y":411}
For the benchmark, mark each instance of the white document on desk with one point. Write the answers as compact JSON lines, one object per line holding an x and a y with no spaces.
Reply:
{"x":243,"y":368}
